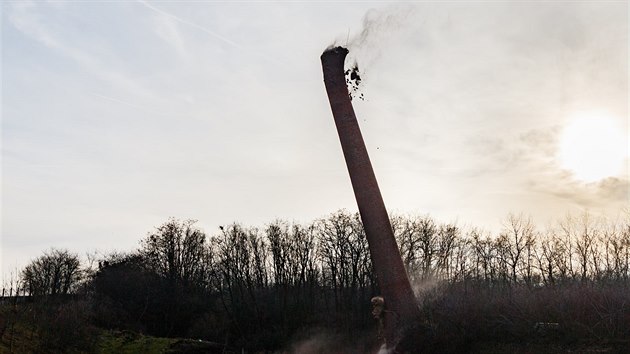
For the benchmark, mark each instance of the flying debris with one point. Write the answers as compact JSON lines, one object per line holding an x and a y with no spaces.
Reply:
{"x":353,"y":79}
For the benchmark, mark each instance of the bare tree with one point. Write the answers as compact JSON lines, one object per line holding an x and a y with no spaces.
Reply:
{"x":408,"y":240}
{"x":550,"y":257}
{"x":344,"y":255}
{"x":448,"y":237}
{"x":177,"y":250}
{"x":517,"y":236}
{"x":55,"y":272}
{"x":241,"y":265}
{"x":280,"y":246}
{"x":584,"y":238}
{"x":305,"y":254}
{"x":483,"y":251}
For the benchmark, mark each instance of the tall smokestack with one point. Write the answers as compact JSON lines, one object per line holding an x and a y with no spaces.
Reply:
{"x":400,"y":303}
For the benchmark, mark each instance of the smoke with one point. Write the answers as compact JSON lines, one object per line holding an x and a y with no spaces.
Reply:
{"x":318,"y":341}
{"x":423,"y":287}
{"x":378,"y":27}
{"x":383,"y":350}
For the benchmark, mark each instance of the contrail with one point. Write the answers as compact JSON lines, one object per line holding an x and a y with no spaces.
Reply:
{"x":213,"y":34}
{"x":127,"y":104}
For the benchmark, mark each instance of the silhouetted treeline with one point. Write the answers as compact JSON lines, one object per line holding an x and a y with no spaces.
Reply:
{"x":259,"y":288}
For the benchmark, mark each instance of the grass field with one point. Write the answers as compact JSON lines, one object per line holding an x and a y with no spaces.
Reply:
{"x":19,"y":335}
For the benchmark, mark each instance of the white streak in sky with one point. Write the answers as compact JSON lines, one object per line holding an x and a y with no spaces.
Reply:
{"x":212,"y":33}
{"x":30,"y":23}
{"x":127,"y":104}
{"x":166,"y":28}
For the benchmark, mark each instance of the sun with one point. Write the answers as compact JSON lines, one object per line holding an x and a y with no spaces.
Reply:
{"x":592,"y":146}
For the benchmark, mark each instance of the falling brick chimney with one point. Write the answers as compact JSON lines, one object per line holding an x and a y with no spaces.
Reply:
{"x":401,"y":309}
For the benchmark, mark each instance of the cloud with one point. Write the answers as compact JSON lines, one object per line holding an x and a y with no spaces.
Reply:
{"x":543,"y":142}
{"x":554,"y":180}
{"x":610,"y":193}
{"x":535,"y":160}
{"x":28,"y":18}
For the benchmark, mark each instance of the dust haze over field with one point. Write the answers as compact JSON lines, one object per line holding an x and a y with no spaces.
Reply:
{"x":217,"y":112}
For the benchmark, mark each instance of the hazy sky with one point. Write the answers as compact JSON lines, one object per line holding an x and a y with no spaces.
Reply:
{"x":119,"y":114}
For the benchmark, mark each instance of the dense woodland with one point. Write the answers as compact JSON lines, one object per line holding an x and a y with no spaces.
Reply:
{"x":275,"y":287}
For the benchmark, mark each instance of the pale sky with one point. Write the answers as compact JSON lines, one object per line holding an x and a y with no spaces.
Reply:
{"x":119,"y":114}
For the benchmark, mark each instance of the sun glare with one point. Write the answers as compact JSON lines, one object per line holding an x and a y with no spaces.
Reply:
{"x":592,"y":147}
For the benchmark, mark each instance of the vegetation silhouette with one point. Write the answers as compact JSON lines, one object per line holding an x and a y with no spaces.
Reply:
{"x":288,"y":287}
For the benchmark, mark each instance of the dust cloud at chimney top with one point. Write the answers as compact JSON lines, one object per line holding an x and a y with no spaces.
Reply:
{"x":366,"y":44}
